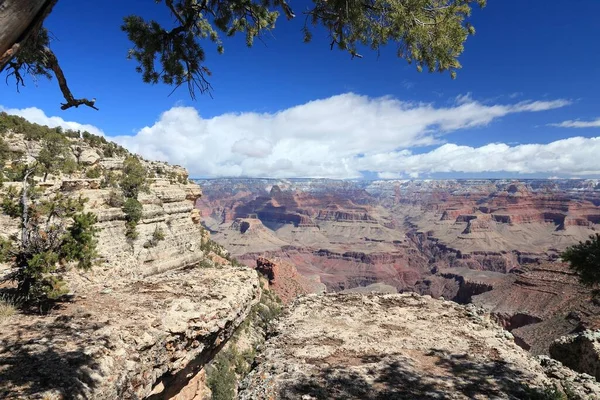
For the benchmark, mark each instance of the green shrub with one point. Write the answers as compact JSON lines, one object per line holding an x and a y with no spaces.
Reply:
{"x":157,"y":236}
{"x":109,"y":179}
{"x":583,"y":259}
{"x":93,"y":173}
{"x":133,"y":214}
{"x":54,"y":152}
{"x":80,"y":242}
{"x":133,"y":179}
{"x":115,"y":199}
{"x":205,"y":263}
{"x":221,"y":378}
{"x":10,"y":202}
{"x":72,"y":134}
{"x":6,"y":249}
{"x":69,"y":166}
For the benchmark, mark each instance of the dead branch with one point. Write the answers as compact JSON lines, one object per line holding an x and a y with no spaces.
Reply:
{"x":52,"y":63}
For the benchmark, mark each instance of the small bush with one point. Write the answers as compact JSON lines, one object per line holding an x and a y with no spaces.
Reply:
{"x":133,"y":214}
{"x":109,"y":179}
{"x":205,"y":263}
{"x":69,"y":166}
{"x":133,"y":179}
{"x":221,"y":378}
{"x":10,"y":203}
{"x":93,"y":173}
{"x":115,"y":199}
{"x":80,"y":242}
{"x":157,"y":236}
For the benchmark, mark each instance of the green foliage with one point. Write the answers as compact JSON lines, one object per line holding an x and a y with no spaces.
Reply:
{"x":550,"y":393}
{"x":57,"y":232}
{"x":72,"y":134}
{"x":157,"y":236}
{"x":69,"y":166}
{"x":93,"y":173}
{"x":109,"y":179}
{"x":134,"y":177}
{"x":205,"y":263}
{"x":60,"y":206}
{"x":221,"y":377}
{"x":10,"y":202}
{"x":430,"y":33}
{"x":93,"y":140}
{"x":21,"y":125}
{"x":133,"y":214}
{"x":37,"y":279}
{"x":54,"y":152}
{"x":115,"y":199}
{"x":4,"y":153}
{"x":7,"y":249}
{"x":79,"y":244}
{"x":584,"y":259}
{"x":111,"y":149}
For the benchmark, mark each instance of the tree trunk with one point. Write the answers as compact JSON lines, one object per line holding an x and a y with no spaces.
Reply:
{"x":18,"y":20}
{"x":25,"y":210}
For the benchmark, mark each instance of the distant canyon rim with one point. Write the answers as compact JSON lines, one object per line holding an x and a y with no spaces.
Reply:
{"x":494,"y":243}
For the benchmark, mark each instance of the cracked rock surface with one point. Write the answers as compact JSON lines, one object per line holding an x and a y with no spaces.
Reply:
{"x":400,"y":346}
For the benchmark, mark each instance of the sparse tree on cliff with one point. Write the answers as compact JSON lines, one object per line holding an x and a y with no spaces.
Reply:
{"x":53,"y":154}
{"x":54,"y":228}
{"x":429,"y":33}
{"x":584,"y":259}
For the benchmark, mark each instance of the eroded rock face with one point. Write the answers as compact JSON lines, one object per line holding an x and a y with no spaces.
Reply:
{"x":143,"y":322}
{"x":579,"y":352}
{"x":285,"y":280}
{"x":397,"y":346}
{"x":123,"y":341}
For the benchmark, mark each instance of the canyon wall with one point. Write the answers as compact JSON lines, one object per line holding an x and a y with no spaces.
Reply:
{"x":150,"y":314}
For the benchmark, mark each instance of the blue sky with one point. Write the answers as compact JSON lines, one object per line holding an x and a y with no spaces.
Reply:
{"x":375,"y":114}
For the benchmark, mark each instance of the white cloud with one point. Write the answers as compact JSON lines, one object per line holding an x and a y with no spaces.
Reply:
{"x":573,"y":156}
{"x":337,"y":137}
{"x":322,"y":138}
{"x":38,"y":116}
{"x":578,"y":124}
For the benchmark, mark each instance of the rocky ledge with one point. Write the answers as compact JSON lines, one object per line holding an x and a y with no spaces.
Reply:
{"x":146,"y":338}
{"x":406,"y":346}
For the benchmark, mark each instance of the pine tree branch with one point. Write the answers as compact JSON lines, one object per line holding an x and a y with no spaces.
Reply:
{"x":52,"y":63}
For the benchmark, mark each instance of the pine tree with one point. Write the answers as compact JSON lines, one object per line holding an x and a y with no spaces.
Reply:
{"x":584,"y":259}
{"x":429,"y":33}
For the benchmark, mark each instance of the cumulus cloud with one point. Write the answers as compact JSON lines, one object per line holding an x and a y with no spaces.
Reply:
{"x":574,"y":156}
{"x":578,"y":124}
{"x":322,"y":138}
{"x":342,"y":136}
{"x":38,"y":116}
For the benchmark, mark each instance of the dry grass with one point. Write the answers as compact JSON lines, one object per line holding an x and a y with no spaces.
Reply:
{"x":8,"y":308}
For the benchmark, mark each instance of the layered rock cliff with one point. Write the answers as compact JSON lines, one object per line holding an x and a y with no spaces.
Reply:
{"x":151,"y":313}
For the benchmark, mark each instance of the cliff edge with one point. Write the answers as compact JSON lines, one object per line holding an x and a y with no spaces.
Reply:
{"x":401,"y":346}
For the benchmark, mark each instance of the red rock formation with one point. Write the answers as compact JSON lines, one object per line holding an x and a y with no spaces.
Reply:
{"x":285,"y":280}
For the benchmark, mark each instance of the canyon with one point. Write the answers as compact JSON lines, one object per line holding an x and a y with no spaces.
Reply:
{"x":170,"y":314}
{"x":494,"y":243}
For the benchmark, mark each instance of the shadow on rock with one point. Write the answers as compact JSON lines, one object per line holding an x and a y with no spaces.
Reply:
{"x":49,"y":356}
{"x":431,"y":375}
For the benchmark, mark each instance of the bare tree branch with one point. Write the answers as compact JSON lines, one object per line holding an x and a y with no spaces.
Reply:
{"x":52,"y":63}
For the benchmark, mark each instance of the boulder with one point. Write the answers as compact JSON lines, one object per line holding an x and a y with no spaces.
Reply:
{"x":580,"y":352}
